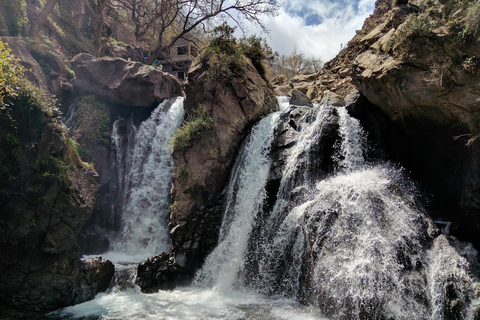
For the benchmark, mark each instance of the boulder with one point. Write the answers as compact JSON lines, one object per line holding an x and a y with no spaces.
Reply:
{"x":96,"y":275}
{"x":159,"y":272}
{"x":332,"y":99}
{"x":299,"y":99}
{"x":127,"y":83}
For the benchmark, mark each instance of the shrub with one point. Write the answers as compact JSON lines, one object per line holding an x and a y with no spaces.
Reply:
{"x":415,"y":26}
{"x":197,"y":125}
{"x":258,"y":51}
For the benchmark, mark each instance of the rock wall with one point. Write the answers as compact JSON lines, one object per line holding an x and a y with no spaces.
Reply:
{"x":43,"y":206}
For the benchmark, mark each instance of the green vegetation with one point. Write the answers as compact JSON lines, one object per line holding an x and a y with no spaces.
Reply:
{"x":182,"y":175}
{"x":259,"y":52}
{"x":22,"y":104}
{"x":26,"y":113}
{"x":197,"y":124}
{"x":232,"y":53}
{"x":15,"y":14}
{"x":416,"y":26}
{"x":91,"y":122}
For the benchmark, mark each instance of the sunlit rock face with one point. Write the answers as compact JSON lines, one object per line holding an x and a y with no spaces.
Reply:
{"x":419,"y":67}
{"x":234,"y":103}
{"x":123,"y":82}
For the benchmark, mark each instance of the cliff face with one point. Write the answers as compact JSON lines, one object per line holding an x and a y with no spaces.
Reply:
{"x":416,"y":66}
{"x":46,"y":194}
{"x":234,"y":103}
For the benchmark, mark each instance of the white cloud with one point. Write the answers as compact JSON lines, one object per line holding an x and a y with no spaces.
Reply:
{"x":338,"y":22}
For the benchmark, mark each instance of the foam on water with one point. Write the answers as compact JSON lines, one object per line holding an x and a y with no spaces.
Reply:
{"x":187,"y":303}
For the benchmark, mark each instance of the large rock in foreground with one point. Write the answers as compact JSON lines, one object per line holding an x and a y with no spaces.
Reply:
{"x":123,"y":82}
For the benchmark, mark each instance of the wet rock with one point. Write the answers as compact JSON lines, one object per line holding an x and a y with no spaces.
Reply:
{"x":96,"y":277}
{"x":160,"y":272}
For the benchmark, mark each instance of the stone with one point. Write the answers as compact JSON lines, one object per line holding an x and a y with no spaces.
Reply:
{"x":127,"y":83}
{"x":299,"y":99}
{"x":332,"y":99}
{"x":160,"y":272}
{"x":97,"y":275}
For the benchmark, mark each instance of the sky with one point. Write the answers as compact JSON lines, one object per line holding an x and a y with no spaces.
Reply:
{"x":317,"y":28}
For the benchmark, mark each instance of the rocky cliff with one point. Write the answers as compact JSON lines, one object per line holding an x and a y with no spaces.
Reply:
{"x":416,"y":66}
{"x":224,"y":99}
{"x":46,"y":194}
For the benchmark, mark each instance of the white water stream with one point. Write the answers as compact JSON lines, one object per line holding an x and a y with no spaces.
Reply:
{"x":355,"y":245}
{"x":145,"y":168}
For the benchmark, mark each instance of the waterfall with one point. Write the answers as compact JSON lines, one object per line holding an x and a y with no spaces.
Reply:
{"x":144,"y":166}
{"x":308,"y":217}
{"x":351,"y":240}
{"x":246,"y":193}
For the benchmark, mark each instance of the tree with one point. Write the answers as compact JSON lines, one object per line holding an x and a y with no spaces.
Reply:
{"x":40,"y":19}
{"x":296,"y":63}
{"x":142,"y":14}
{"x":98,"y":11}
{"x":177,"y":18}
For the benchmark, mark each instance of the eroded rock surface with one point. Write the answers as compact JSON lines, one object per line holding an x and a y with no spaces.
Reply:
{"x":123,"y":82}
{"x":201,"y":171}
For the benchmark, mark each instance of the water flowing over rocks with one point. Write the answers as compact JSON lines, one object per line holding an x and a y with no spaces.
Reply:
{"x":415,"y":64}
{"x":123,"y":82}
{"x":201,"y":171}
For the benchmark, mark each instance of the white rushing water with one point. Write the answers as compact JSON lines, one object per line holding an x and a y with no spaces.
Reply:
{"x":245,"y":196}
{"x":350,"y":243}
{"x":145,"y":182}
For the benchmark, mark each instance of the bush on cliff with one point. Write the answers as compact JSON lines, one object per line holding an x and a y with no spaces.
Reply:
{"x":232,"y":52}
{"x":197,"y":124}
{"x":25,"y":110}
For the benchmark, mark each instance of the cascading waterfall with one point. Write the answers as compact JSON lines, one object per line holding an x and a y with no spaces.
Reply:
{"x":356,"y":244}
{"x":245,"y":196}
{"x":145,"y":165}
{"x":340,"y":233}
